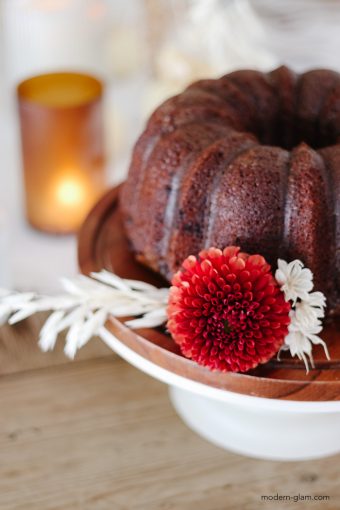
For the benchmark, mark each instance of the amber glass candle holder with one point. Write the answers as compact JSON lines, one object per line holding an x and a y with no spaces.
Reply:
{"x":63,"y":149}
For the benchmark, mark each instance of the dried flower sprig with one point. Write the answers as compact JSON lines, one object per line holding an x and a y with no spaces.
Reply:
{"x":86,"y":306}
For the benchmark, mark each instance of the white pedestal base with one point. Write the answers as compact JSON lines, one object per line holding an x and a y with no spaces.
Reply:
{"x":260,"y":432}
{"x":255,"y":426}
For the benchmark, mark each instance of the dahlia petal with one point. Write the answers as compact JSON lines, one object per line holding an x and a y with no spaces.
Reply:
{"x":244,"y":276}
{"x":189,"y":262}
{"x":224,"y":269}
{"x":214,"y":252}
{"x":263,"y":282}
{"x":256,"y":261}
{"x":260,"y":296}
{"x":177,"y":278}
{"x":237,"y":264}
{"x":184,"y":284}
{"x":195,"y":278}
{"x":271,"y":289}
{"x":268,"y":300}
{"x":267,"y":331}
{"x":206,"y":266}
{"x":200,"y":290}
{"x":248,"y":295}
{"x":188,"y":301}
{"x":264,"y":309}
{"x":190,"y":291}
{"x":231,"y":251}
{"x":254,"y":273}
{"x":187,"y":313}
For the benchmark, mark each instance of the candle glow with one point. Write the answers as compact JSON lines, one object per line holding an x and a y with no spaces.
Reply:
{"x":70,"y":192}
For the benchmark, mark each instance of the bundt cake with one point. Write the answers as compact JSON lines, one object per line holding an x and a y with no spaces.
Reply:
{"x":251,"y":159}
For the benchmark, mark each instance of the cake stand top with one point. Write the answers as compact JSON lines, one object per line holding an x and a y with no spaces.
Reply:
{"x":103,"y":245}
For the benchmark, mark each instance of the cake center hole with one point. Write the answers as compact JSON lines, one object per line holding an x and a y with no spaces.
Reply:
{"x":288,"y":132}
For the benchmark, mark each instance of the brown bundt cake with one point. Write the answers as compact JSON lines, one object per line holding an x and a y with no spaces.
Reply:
{"x":250,"y":159}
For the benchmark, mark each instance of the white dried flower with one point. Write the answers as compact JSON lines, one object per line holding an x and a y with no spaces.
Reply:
{"x":309,"y":311}
{"x":316,"y":299}
{"x":308,"y":308}
{"x":295,"y":280}
{"x":301,"y":337}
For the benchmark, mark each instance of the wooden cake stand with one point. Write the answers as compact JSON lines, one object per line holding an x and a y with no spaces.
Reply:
{"x":276,"y":411}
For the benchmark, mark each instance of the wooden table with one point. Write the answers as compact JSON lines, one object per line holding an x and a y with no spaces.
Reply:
{"x":96,"y":434}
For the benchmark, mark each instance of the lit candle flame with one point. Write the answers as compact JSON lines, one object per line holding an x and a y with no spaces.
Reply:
{"x":70,"y":192}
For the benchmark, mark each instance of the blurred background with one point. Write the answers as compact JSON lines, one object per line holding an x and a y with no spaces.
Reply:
{"x":143,"y":51}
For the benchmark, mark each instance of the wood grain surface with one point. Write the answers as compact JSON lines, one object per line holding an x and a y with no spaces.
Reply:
{"x":103,"y":244}
{"x":99,"y":435}
{"x":19,"y":349}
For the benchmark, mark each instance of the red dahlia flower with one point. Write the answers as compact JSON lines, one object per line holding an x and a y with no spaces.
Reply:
{"x":227,"y":311}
